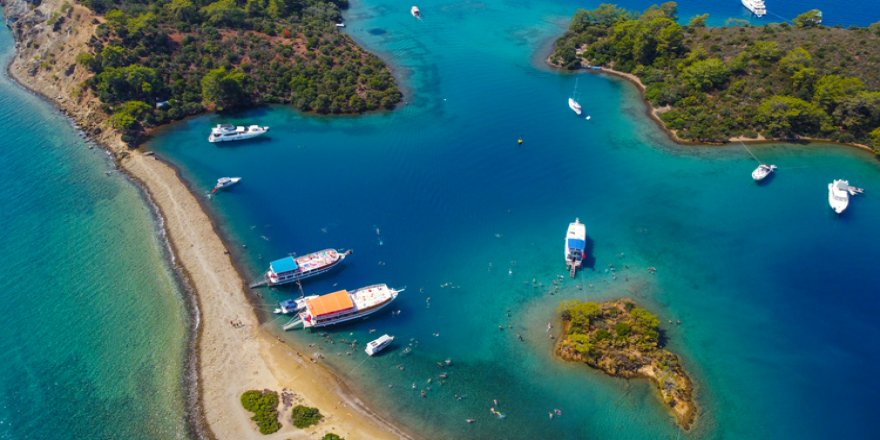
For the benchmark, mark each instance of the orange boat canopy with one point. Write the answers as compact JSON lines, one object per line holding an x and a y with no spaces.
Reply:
{"x":330,"y":303}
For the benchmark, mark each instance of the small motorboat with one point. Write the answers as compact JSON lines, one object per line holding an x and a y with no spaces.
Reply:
{"x":378,"y":344}
{"x":762,"y":172}
{"x":293,"y":305}
{"x":225,"y":182}
{"x":415,"y":12}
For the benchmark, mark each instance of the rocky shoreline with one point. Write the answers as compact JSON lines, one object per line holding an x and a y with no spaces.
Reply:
{"x":227,"y":359}
{"x":624,"y":340}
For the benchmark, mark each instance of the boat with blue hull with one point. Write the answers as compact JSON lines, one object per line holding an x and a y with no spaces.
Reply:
{"x":292,"y":269}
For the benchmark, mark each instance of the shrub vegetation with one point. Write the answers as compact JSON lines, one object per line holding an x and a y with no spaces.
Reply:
{"x":305,"y":416}
{"x":716,"y":83}
{"x":264,"y":405}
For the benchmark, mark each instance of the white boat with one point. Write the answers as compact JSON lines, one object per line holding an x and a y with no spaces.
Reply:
{"x":290,"y":269}
{"x":293,"y":305}
{"x":757,"y":7}
{"x":762,"y":172}
{"x":225,"y":182}
{"x":575,"y":245}
{"x":838,"y":195}
{"x":574,"y":106}
{"x":378,"y":344}
{"x":225,"y":132}
{"x":338,"y":307}
{"x":415,"y":12}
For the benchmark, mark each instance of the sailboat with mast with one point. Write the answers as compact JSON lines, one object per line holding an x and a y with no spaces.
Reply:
{"x":572,"y":103}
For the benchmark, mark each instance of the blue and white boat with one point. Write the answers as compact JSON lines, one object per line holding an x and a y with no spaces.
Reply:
{"x":293,"y":305}
{"x":292,"y":269}
{"x":575,"y":245}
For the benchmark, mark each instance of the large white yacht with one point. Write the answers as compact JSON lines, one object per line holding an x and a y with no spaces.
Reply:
{"x":337,"y":307}
{"x":838,"y":195}
{"x":224,"y":132}
{"x":575,"y":245}
{"x":756,"y":6}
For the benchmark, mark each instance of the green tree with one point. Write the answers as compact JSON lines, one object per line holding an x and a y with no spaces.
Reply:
{"x":875,"y":139}
{"x":785,"y":116}
{"x":808,"y":19}
{"x":305,"y":416}
{"x":264,"y":405}
{"x":706,"y":74}
{"x":183,"y":10}
{"x":134,"y":82}
{"x":698,"y":21}
{"x":224,"y":12}
{"x":795,"y":60}
{"x":580,"y":343}
{"x":858,"y":113}
{"x":225,"y":89}
{"x":331,"y":436}
{"x":831,"y":89}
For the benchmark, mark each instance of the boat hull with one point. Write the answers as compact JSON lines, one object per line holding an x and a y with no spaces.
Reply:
{"x":302,"y":275}
{"x":837,"y":204}
{"x":341,"y":319}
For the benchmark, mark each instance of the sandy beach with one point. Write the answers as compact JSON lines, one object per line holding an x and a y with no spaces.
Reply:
{"x":230,"y":359}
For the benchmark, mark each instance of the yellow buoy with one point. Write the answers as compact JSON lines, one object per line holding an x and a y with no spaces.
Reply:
{"x":519,"y":141}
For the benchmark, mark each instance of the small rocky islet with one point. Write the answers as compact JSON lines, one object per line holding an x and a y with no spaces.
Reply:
{"x":625,"y":340}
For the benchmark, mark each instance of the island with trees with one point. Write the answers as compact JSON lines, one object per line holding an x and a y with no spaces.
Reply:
{"x":151,"y":62}
{"x":782,"y":81}
{"x":625,"y":340}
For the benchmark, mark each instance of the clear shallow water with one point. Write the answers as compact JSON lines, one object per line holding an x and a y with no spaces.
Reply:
{"x":94,"y":326}
{"x":776,"y":295}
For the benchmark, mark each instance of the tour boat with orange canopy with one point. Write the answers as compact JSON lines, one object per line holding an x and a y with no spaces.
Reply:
{"x":341,"y":306}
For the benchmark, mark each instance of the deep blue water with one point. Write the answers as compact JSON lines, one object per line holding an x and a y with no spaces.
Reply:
{"x":93,"y":323}
{"x":776,"y":295}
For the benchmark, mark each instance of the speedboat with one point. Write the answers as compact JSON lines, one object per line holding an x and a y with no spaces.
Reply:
{"x":293,"y":305}
{"x":575,"y":245}
{"x":762,"y":171}
{"x":378,"y":344}
{"x":574,"y":106}
{"x":838,"y":195}
{"x":415,"y":12}
{"x":225,"y":132}
{"x":225,"y":182}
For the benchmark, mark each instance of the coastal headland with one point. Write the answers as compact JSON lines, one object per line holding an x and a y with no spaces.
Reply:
{"x":233,"y":353}
{"x":624,"y":340}
{"x":800,"y":82}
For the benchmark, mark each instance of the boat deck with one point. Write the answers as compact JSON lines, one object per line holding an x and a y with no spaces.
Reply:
{"x":371,"y":296}
{"x":317,"y":260}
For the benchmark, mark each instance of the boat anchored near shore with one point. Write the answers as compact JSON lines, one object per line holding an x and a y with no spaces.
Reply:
{"x":378,"y":344}
{"x":839,"y":192}
{"x":291,"y":269}
{"x":226,"y":132}
{"x":225,"y":182}
{"x":342,"y":306}
{"x":762,"y":172}
{"x":293,"y":305}
{"x":575,"y":246}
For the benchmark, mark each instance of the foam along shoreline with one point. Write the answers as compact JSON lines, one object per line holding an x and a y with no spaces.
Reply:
{"x":230,"y":359}
{"x":654,"y":113}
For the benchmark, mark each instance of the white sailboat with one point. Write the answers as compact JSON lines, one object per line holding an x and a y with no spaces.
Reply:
{"x":762,"y":172}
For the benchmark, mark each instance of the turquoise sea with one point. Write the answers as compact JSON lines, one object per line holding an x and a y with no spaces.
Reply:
{"x":776,"y":295}
{"x":94,"y":324}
